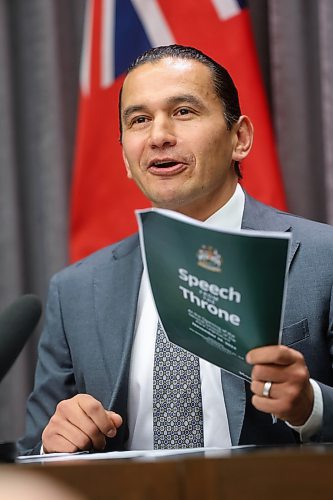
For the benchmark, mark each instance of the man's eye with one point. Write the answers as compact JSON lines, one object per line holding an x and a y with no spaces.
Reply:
{"x":183,"y":111}
{"x":139,"y":119}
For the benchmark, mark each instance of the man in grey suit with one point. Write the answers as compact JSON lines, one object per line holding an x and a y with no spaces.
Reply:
{"x":183,"y":138}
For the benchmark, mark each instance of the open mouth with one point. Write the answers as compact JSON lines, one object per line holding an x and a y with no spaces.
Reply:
{"x":166,"y":167}
{"x":164,"y":164}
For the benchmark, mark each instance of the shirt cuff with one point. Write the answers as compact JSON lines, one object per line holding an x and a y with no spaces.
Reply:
{"x":314,"y":422}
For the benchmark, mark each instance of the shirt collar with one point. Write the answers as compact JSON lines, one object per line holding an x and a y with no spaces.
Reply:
{"x":231,"y":214}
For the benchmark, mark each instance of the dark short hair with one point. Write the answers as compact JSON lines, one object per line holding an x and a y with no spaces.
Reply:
{"x":222,"y":82}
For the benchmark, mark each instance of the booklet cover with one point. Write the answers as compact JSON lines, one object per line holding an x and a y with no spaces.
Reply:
{"x":218,"y":293}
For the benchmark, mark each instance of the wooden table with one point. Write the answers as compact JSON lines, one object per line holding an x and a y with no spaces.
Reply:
{"x":304,"y":473}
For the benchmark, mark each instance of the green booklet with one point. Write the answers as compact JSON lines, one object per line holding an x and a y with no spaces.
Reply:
{"x":218,"y":293}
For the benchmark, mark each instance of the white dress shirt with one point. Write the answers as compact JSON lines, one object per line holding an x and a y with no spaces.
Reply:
{"x":140,"y":397}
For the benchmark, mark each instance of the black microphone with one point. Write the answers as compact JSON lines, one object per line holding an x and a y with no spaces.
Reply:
{"x":17,"y":323}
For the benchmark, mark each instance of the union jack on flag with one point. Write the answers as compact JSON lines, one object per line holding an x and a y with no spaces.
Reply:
{"x":115,"y":33}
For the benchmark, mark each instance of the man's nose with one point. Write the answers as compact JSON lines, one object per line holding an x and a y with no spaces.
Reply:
{"x":162,"y":133}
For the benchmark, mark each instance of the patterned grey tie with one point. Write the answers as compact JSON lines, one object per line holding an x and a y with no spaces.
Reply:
{"x":177,"y":405}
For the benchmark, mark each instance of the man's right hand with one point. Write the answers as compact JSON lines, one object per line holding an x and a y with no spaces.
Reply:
{"x":79,"y":423}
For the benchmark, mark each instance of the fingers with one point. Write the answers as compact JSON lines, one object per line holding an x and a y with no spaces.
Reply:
{"x":278,"y":364}
{"x":95,"y":417}
{"x":291,"y":395}
{"x":116,"y":418}
{"x":286,"y":401}
{"x":257,"y":387}
{"x":79,"y":423}
{"x":296,"y":371}
{"x":277,"y":354}
{"x":62,"y":436}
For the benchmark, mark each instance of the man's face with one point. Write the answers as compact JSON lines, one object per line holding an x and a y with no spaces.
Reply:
{"x":176,"y":144}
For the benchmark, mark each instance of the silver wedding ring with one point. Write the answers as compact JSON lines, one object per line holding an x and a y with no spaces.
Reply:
{"x":267,"y":389}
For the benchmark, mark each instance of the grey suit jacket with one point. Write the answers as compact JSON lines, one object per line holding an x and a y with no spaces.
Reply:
{"x":86,"y":343}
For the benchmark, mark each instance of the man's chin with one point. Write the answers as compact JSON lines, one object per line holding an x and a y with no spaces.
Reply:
{"x":167,"y":204}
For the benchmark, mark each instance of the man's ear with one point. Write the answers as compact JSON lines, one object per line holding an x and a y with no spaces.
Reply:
{"x":243,"y":130}
{"x":128,"y":170}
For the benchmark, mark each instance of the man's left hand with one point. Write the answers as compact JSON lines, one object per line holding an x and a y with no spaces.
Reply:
{"x":291,"y":395}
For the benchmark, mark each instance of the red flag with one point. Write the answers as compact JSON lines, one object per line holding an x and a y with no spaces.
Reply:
{"x":116,"y":31}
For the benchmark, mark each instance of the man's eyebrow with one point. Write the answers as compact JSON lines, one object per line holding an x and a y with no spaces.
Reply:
{"x":171,"y":101}
{"x":185,"y":98}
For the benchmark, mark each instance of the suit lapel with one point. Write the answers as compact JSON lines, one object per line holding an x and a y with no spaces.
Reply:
{"x":116,"y":288}
{"x":261,"y":218}
{"x":235,"y":401}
